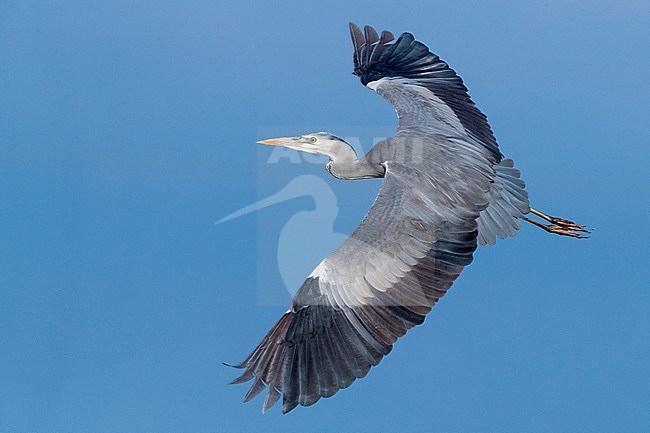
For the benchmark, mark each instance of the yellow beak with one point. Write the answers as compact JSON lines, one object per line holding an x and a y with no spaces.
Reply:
{"x":284,"y":141}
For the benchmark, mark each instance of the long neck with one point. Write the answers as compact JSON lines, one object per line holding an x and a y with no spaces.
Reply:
{"x":344,"y":164}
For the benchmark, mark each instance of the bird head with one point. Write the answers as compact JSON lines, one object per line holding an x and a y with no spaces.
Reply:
{"x":322,"y":143}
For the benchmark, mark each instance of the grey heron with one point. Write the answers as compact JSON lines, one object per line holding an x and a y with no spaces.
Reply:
{"x":446,"y":189}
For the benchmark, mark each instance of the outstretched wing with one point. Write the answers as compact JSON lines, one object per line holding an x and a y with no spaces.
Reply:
{"x":430,"y":97}
{"x":423,"y":89}
{"x":417,"y":237}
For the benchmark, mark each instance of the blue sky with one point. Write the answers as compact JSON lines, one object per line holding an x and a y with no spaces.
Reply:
{"x":127,"y":129}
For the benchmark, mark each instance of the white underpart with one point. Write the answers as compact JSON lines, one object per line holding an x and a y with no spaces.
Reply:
{"x":374,"y":84}
{"x":319,"y":272}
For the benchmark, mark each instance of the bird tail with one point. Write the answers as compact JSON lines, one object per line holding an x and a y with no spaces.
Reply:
{"x":508,"y":204}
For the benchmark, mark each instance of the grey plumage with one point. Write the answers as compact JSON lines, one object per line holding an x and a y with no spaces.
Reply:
{"x":446,"y":188}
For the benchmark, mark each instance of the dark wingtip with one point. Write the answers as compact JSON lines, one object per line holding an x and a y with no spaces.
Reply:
{"x":255,"y":389}
{"x":245,"y":377}
{"x":288,"y":406}
{"x":356,"y":34}
{"x":271,"y":398}
{"x":370,"y":34}
{"x":240,"y":365}
{"x":357,"y":41}
{"x":387,"y":36}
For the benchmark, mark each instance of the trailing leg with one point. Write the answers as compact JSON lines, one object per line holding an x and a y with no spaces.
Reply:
{"x":559,"y":226}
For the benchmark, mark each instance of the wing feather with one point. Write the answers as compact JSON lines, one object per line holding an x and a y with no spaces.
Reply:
{"x":337,"y":329}
{"x":410,"y":61}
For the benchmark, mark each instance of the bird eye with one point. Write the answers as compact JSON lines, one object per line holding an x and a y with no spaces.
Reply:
{"x":312,"y":139}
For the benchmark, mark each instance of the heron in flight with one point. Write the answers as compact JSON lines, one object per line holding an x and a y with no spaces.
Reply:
{"x":446,"y":189}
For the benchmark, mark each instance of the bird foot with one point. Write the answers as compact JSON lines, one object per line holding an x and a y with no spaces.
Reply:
{"x":567,"y":224}
{"x":567,"y":228}
{"x":560,"y":226}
